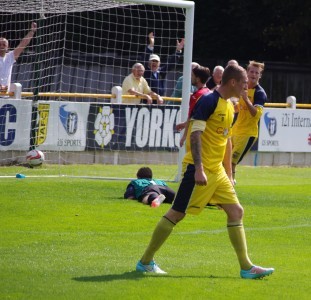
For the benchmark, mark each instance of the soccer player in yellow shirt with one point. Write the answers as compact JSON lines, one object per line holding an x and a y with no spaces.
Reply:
{"x":250,"y":108}
{"x":204,"y":177}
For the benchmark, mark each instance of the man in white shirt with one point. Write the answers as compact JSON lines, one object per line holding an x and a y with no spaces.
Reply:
{"x":136,"y":84}
{"x":7,"y":59}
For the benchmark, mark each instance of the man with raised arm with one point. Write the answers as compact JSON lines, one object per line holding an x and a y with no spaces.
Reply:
{"x":8,"y":58}
{"x":156,"y":72}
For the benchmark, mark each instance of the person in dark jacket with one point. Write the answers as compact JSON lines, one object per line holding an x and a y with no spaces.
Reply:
{"x":155,"y":72}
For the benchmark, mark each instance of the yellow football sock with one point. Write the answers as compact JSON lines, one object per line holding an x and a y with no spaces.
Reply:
{"x":238,"y":240}
{"x":159,"y":236}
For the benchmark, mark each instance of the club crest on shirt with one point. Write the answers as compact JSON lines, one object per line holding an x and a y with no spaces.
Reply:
{"x":223,"y":131}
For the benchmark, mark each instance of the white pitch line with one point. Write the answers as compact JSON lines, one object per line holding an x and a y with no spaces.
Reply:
{"x":214,"y":231}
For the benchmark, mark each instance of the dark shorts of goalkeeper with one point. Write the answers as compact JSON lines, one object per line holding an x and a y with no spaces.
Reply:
{"x":156,"y":190}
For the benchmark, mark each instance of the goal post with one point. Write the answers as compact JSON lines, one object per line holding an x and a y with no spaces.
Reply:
{"x":88,"y":47}
{"x":189,"y":29}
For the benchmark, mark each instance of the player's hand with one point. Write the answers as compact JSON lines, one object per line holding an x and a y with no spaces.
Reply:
{"x":180,"y":126}
{"x":200,"y":177}
{"x":231,"y":180}
{"x":234,"y":100}
{"x":244,"y":95}
{"x":182,"y":141}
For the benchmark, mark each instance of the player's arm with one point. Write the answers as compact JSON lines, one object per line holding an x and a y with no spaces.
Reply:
{"x":196,"y":150}
{"x":185,"y":126}
{"x":25,"y":41}
{"x":227,"y":160}
{"x":260,"y":99}
{"x":130,"y":192}
{"x":203,"y":109}
{"x":251,"y":108}
{"x":181,"y":126}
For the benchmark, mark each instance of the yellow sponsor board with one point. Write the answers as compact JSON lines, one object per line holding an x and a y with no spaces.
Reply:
{"x":43,"y":118}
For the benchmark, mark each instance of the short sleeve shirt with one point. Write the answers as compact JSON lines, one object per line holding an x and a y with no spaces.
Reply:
{"x":246,"y":124}
{"x":6,"y":64}
{"x":140,"y":86}
{"x":218,"y":114}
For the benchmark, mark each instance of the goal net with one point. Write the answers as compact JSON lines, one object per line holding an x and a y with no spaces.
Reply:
{"x":70,"y":74}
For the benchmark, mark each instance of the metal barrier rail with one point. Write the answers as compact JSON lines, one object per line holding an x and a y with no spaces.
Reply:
{"x":67,"y":95}
{"x":285,"y":105}
{"x":113,"y":96}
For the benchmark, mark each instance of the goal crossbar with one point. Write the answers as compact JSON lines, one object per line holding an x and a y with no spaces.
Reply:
{"x":48,"y":55}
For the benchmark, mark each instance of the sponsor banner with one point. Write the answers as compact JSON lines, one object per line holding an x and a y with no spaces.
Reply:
{"x":133,"y":127}
{"x":285,"y":130}
{"x":15,"y":123}
{"x":61,"y":126}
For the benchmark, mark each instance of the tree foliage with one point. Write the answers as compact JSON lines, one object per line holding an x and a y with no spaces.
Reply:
{"x":263,"y":30}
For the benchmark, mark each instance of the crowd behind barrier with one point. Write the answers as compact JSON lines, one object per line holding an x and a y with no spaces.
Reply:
{"x":279,"y":80}
{"x":116,"y":97}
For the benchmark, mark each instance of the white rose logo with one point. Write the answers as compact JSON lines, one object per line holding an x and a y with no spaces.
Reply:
{"x":104,"y":126}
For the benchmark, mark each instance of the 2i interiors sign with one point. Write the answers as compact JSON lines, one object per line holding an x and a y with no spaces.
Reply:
{"x":285,"y":130}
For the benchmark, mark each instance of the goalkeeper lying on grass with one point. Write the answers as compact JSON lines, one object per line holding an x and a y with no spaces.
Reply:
{"x":147,"y":190}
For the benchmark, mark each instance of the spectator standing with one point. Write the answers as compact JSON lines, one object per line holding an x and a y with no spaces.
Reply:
{"x":204,"y":178}
{"x":156,"y":72}
{"x":249,"y":109}
{"x":136,"y":84}
{"x":8,"y":58}
{"x":215,"y":79}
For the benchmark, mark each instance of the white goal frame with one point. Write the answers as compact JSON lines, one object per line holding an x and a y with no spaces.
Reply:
{"x":189,"y":25}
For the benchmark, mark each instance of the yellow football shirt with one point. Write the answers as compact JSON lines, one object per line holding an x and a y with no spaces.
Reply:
{"x":218,"y":114}
{"x":246,"y":124}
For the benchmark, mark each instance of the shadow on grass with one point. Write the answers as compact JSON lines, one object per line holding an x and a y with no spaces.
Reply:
{"x":133,"y":275}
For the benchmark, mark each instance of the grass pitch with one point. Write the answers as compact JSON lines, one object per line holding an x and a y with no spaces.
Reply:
{"x":71,"y":238}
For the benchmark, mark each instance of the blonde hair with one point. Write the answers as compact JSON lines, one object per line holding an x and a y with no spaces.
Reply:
{"x":256,"y":64}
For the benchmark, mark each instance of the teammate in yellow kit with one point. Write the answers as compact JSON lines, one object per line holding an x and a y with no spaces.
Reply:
{"x":250,"y":107}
